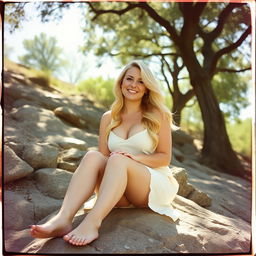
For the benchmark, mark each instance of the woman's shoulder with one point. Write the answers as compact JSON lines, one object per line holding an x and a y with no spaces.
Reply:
{"x":158,"y":113}
{"x":162,"y":116}
{"x":106,"y":117}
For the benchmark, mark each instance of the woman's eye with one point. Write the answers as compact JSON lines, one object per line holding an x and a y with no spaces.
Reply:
{"x":141,"y":82}
{"x":129,"y":78}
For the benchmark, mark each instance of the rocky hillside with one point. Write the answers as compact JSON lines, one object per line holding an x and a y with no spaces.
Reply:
{"x":45,"y":136}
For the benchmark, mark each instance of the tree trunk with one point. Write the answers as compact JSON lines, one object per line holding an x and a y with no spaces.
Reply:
{"x":178,"y":105}
{"x":217,"y":151}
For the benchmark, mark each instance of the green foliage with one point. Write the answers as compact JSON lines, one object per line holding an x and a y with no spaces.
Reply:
{"x":99,"y":90}
{"x":42,"y":53}
{"x":240,"y":134}
{"x":191,"y":121}
{"x":14,"y":15}
{"x":231,"y":90}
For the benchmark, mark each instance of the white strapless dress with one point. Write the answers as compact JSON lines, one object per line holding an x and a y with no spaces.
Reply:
{"x":163,"y":186}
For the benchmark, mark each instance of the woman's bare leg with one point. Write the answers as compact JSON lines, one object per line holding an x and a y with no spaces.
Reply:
{"x":122,"y":175}
{"x":79,"y":190}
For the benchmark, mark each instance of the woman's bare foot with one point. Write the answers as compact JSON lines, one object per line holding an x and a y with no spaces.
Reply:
{"x":58,"y":226}
{"x":84,"y":234}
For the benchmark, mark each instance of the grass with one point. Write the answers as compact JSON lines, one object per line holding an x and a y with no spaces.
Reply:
{"x":41,"y":78}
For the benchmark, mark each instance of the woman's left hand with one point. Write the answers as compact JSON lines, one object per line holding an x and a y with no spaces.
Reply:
{"x":125,"y":154}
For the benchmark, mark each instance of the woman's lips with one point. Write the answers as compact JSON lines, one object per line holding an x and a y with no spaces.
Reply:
{"x":131,"y":91}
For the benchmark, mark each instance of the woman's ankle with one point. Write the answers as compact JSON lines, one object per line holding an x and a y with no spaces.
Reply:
{"x":65,"y":216}
{"x":96,"y":220}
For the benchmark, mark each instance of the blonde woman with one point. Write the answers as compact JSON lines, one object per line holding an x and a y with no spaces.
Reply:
{"x":131,"y":166}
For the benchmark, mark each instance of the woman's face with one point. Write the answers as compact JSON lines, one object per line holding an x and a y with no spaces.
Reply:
{"x":132,"y":86}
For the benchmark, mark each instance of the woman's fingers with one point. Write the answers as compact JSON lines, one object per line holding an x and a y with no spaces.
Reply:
{"x":121,"y":153}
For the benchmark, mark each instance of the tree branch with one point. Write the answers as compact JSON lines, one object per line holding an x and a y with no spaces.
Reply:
{"x":191,"y":15}
{"x":223,"y":16}
{"x":118,"y":12}
{"x":228,"y":49}
{"x":160,"y":20}
{"x":232,"y":70}
{"x":165,"y":77}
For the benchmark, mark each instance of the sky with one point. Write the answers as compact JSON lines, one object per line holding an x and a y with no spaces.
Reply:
{"x":69,"y":36}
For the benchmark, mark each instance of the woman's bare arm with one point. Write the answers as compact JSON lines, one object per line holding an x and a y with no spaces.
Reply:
{"x":105,"y":121}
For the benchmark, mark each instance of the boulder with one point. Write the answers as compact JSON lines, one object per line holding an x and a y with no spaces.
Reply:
{"x":141,"y":230}
{"x":22,"y":196}
{"x":68,"y":143}
{"x":231,"y":195}
{"x":71,"y":167}
{"x":46,"y":155}
{"x":52,"y":182}
{"x":41,"y":125}
{"x":179,"y":137}
{"x":18,"y":211}
{"x":181,"y":176}
{"x":87,"y":117}
{"x":14,"y":167}
{"x":70,"y":116}
{"x":70,"y":159}
{"x":200,"y":198}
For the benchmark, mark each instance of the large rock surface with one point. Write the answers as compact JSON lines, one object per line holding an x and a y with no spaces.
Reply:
{"x":142,"y":231}
{"x":46,"y":135}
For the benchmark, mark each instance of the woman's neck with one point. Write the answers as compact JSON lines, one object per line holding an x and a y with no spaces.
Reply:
{"x":131,"y":107}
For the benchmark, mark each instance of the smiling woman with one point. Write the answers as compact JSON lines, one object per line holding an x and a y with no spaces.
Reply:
{"x":131,"y":166}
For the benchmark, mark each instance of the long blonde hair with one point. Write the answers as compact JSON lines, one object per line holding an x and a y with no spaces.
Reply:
{"x":152,"y":102}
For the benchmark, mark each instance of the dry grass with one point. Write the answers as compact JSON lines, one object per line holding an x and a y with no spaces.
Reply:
{"x":40,"y":78}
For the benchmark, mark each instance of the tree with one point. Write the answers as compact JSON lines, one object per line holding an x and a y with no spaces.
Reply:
{"x":191,"y":24}
{"x":217,"y":151}
{"x":42,"y":53}
{"x":73,"y":68}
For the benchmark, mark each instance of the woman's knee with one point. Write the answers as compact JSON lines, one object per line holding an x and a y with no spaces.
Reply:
{"x":117,"y":159}
{"x":94,"y":157}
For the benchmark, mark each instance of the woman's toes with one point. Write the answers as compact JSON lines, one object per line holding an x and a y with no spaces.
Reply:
{"x":84,"y":241}
{"x":79,"y":241}
{"x":67,"y":237}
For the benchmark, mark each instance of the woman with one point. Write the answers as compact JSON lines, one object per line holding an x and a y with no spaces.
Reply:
{"x":131,"y":166}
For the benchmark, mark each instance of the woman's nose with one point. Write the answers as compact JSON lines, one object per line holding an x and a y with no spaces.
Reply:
{"x":134,"y":84}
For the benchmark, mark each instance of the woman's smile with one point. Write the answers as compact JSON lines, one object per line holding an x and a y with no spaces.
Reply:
{"x":133,"y":85}
{"x":132,"y":91}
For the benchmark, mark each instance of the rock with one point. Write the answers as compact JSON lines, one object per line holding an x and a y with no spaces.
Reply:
{"x":41,"y":125}
{"x":29,"y":120}
{"x":181,"y":176}
{"x":177,"y":154}
{"x":87,"y":117}
{"x":71,"y":167}
{"x":200,"y":198}
{"x":68,"y":143}
{"x":70,"y":116}
{"x":179,"y":137}
{"x":22,"y":196}
{"x":231,"y":196}
{"x":72,"y":154}
{"x":189,"y":149}
{"x":18,"y":212}
{"x":46,"y":155}
{"x":70,"y":159}
{"x":14,"y":167}
{"x":52,"y":182}
{"x":143,"y":231}
{"x":34,"y":94}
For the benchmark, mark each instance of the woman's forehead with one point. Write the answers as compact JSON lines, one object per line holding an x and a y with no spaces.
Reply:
{"x":133,"y":71}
